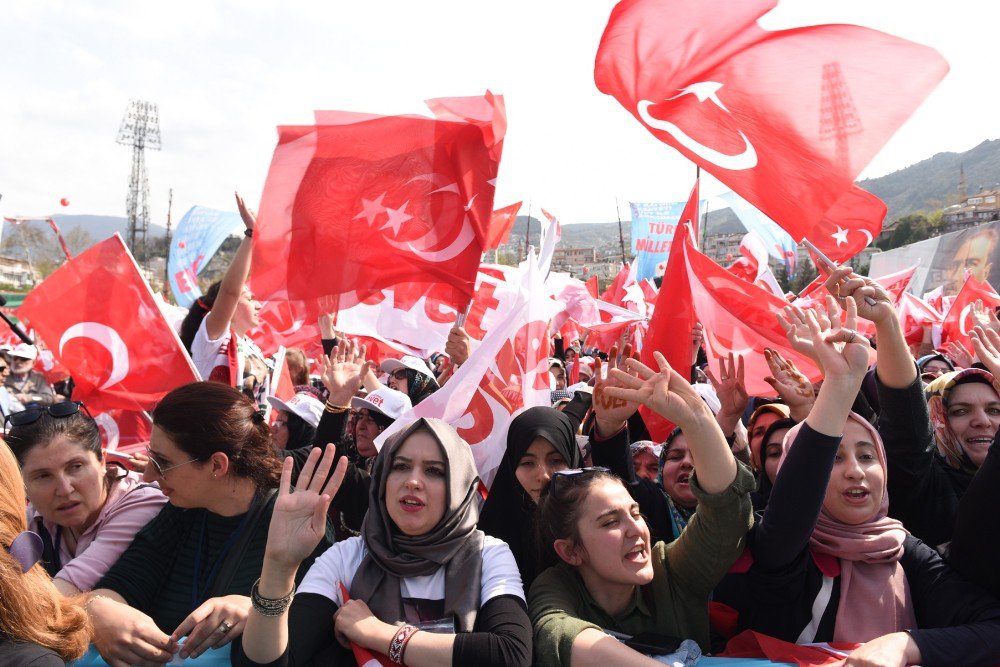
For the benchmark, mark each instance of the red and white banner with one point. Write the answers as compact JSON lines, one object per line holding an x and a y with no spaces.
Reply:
{"x":958,"y":321}
{"x":98,"y":316}
{"x":508,"y":372}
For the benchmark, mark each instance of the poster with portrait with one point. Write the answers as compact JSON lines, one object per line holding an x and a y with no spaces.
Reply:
{"x":945,"y":259}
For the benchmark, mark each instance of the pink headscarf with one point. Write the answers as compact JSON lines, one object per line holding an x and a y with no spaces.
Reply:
{"x":874,"y":594}
{"x":948,"y":444}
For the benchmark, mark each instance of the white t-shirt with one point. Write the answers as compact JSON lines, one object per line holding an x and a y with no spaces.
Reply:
{"x":339,"y":563}
{"x":208,"y":354}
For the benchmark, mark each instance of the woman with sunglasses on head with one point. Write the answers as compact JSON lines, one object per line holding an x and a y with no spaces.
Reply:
{"x":425,"y":586}
{"x":38,"y":626}
{"x":608,"y":574}
{"x":829,"y":565}
{"x":188,"y":572}
{"x":86,"y":511}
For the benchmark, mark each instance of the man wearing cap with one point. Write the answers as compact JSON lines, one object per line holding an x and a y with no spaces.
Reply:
{"x":27,"y":385}
{"x":411,"y":376}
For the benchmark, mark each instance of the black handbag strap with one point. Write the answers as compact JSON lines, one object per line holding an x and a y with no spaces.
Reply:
{"x":228,"y":568}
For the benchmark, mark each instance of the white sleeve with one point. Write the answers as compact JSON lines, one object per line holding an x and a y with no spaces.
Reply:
{"x":335,"y":566}
{"x":500,"y":574}
{"x":205,"y":352}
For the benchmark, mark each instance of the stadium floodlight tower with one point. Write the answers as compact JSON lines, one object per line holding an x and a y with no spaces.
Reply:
{"x":141,"y":130}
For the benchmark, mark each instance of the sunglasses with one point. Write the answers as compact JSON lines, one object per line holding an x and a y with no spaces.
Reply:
{"x":162,"y":470}
{"x":34,"y":413}
{"x":561,"y":478}
{"x":399,"y":374}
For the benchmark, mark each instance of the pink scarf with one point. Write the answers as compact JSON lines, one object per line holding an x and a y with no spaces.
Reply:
{"x":874,"y":594}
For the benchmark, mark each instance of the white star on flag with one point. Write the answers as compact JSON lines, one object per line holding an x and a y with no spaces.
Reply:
{"x":397,"y":216}
{"x":371,"y":209}
{"x":840,"y":236}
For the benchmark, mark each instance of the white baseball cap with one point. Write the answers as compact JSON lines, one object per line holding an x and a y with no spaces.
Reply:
{"x":383,"y":400}
{"x":302,"y":404}
{"x":408,"y":361}
{"x":24,"y":351}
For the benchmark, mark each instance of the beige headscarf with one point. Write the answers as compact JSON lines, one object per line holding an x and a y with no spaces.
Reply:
{"x":454,"y":542}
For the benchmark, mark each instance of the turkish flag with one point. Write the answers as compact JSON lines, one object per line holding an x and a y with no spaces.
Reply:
{"x":592,"y":286}
{"x":787,"y":118}
{"x":124,"y":431}
{"x":501,"y":223}
{"x":98,"y":316}
{"x":849,"y":225}
{"x":287,"y":324}
{"x":360,"y":201}
{"x":914,"y":314}
{"x":669,"y":331}
{"x":958,"y":320}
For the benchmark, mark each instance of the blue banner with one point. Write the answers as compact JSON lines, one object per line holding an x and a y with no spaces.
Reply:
{"x":199,"y":234}
{"x":778,"y":242}
{"x":653,"y":226}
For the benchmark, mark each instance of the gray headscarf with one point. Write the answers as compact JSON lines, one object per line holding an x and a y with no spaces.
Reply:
{"x":454,"y":542}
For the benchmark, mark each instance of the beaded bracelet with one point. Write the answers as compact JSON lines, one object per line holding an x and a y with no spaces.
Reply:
{"x":399,"y":641}
{"x":268,"y":606}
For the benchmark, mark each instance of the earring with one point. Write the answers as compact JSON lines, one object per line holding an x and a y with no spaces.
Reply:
{"x":214,"y":475}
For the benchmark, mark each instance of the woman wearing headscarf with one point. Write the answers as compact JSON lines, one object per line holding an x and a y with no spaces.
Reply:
{"x":934,"y":445}
{"x":540,"y":441}
{"x":419,"y":562}
{"x":828,"y":562}
{"x":770,"y":450}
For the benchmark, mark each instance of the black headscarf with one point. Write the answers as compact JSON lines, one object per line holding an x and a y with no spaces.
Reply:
{"x":509,"y":512}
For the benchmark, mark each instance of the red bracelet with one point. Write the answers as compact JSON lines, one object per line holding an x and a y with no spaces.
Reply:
{"x":399,"y":641}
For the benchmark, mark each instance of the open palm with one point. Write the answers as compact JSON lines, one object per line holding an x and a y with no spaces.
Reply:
{"x":343,"y":370}
{"x":665,"y":392}
{"x":299,"y":519}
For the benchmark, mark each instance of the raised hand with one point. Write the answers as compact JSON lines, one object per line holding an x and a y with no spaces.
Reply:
{"x":958,"y":354}
{"x":343,"y":371}
{"x":697,"y":337}
{"x":665,"y":391}
{"x":986,"y":343}
{"x":458,"y":346}
{"x":796,"y":326}
{"x":793,"y":387}
{"x":871,"y":300}
{"x":984,"y":317}
{"x":611,"y":412}
{"x":730,"y":387}
{"x":299,"y":518}
{"x":248,"y":214}
{"x":839,"y":350}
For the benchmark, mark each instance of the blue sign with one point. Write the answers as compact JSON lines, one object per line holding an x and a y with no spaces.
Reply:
{"x":778,"y":242}
{"x":199,"y":234}
{"x":653,"y":226}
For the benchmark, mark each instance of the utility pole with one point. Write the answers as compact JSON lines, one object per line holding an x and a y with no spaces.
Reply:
{"x":140,"y":129}
{"x":621,"y":238}
{"x":166,"y":263}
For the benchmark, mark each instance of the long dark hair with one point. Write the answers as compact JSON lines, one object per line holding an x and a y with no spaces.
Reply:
{"x":203,"y":418}
{"x":199,"y":309}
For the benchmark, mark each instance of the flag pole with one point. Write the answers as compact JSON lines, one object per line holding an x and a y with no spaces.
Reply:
{"x":697,"y":208}
{"x":621,"y":238}
{"x":527,"y":234}
{"x":830,"y":264}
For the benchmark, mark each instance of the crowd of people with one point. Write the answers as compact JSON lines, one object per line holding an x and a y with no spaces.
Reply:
{"x":856,"y":510}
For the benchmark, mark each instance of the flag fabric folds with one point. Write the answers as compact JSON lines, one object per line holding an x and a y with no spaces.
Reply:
{"x":98,"y":316}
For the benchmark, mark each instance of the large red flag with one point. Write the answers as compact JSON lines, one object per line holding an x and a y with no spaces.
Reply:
{"x":364,"y":202}
{"x":958,"y":320}
{"x":98,"y":316}
{"x":914,"y":314}
{"x":669,"y":331}
{"x":849,"y":225}
{"x":787,"y":119}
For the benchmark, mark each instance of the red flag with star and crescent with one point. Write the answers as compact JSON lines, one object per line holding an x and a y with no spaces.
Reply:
{"x":98,"y":316}
{"x":958,"y":321}
{"x":360,"y":202}
{"x":787,"y":118}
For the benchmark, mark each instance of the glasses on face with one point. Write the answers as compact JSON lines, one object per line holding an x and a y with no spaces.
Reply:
{"x":162,"y":471}
{"x":399,"y":375}
{"x":562,"y":477}
{"x":57,"y":410}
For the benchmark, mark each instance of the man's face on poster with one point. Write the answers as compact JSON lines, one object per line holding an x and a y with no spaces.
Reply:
{"x":974,"y":255}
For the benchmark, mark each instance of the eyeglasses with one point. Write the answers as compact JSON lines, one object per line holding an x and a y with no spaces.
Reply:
{"x":160,"y":470}
{"x":561,"y":478}
{"x":398,"y":374}
{"x":34,"y":413}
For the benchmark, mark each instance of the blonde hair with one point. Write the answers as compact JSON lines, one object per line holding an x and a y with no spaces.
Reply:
{"x":31,"y":609}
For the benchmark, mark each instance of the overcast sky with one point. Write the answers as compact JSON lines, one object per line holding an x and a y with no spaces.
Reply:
{"x":224,"y":74}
